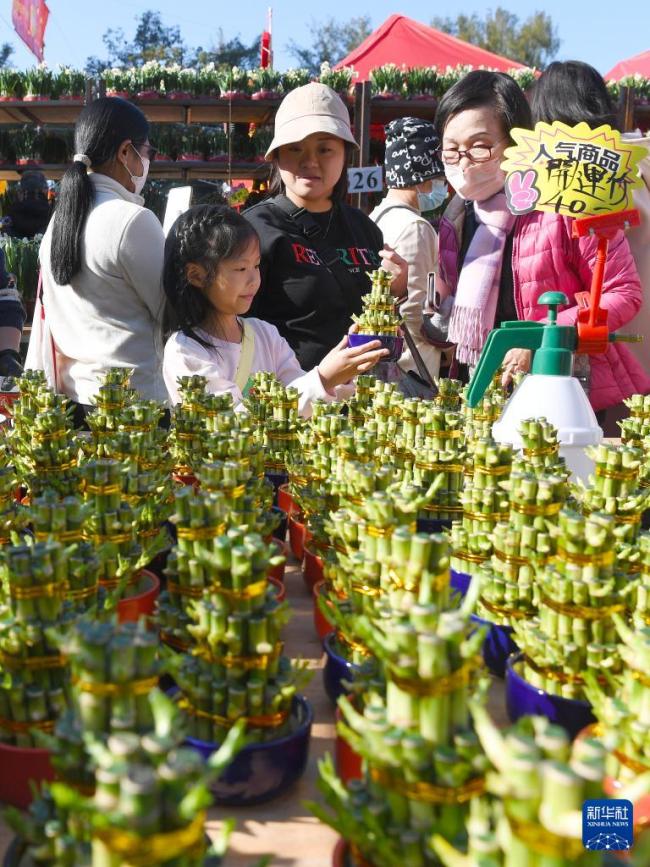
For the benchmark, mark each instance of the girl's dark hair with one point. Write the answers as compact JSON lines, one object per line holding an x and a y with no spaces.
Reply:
{"x":101,"y":128}
{"x":571,"y":92}
{"x":340,"y":188}
{"x":481,"y":88}
{"x":207,"y":235}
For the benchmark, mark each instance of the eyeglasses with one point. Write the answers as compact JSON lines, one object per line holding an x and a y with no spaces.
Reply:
{"x":475,"y":154}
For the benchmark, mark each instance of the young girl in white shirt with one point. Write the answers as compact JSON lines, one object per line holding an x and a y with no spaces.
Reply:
{"x":211,"y":276}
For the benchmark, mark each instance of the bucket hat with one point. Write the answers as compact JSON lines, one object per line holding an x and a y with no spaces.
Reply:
{"x":308,"y":109}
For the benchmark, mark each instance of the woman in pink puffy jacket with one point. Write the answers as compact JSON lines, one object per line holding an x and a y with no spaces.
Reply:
{"x":497,"y":265}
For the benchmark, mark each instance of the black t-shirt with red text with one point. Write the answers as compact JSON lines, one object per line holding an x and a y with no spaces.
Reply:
{"x":299,"y":295}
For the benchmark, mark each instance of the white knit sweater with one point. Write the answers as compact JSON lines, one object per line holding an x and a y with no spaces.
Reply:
{"x":109,"y":315}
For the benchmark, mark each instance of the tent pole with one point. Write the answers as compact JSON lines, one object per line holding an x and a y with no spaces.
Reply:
{"x":362,"y":132}
{"x":626,"y":109}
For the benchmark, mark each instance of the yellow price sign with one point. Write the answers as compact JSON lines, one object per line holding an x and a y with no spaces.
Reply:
{"x":572,"y":170}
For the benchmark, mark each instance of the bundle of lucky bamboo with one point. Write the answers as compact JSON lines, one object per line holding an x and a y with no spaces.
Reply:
{"x":615,"y":490}
{"x":237,"y":670}
{"x":579,"y":591}
{"x":64,"y":520}
{"x":34,"y":687}
{"x":450,"y":394}
{"x":541,"y":782}
{"x":540,"y":445}
{"x":275,"y":408}
{"x":200,"y":525}
{"x":479,"y":419}
{"x":113,"y":395}
{"x":42,"y":441}
{"x":188,"y":425}
{"x":485,"y":503}
{"x":636,"y":427}
{"x":378,"y":316}
{"x":111,"y":521}
{"x":423,"y":763}
{"x":622,"y":707}
{"x":439,"y":447}
{"x":523,"y":545}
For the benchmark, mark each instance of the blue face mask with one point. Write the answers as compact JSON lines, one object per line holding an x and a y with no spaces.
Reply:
{"x":432,"y":200}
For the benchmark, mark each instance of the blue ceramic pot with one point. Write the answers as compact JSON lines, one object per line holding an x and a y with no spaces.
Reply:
{"x":497,"y":646}
{"x":460,"y":581}
{"x":522,"y":699}
{"x":265,"y":770}
{"x":432,"y":525}
{"x":393,"y":343}
{"x":280,"y":531}
{"x":337,"y":669}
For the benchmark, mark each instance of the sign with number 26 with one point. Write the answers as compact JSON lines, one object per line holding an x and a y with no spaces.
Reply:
{"x":369,"y":179}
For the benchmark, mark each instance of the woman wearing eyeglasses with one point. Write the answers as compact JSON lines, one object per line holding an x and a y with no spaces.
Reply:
{"x":497,"y":265}
{"x":101,"y":263}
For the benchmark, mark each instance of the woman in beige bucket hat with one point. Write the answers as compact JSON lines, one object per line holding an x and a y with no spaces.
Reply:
{"x":316,"y":249}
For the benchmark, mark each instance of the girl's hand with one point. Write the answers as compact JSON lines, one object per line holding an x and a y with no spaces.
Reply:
{"x":398,"y":267}
{"x":515,"y":361}
{"x":344,"y":362}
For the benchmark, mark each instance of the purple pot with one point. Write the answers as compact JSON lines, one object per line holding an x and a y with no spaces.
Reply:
{"x":497,"y":646}
{"x":460,"y":581}
{"x":391,"y":342}
{"x":337,"y":669}
{"x":522,"y":699}
{"x":263,"y":771}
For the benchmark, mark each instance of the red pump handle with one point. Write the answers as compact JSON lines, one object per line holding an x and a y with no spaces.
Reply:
{"x":593,"y":331}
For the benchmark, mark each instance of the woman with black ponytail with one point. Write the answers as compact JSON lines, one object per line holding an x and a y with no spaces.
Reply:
{"x":101,"y":260}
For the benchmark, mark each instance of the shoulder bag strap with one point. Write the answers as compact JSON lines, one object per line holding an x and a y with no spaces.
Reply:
{"x":245,"y":366}
{"x":329,"y":256}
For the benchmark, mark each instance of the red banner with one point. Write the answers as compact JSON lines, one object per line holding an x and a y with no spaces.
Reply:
{"x":265,"y":50}
{"x":30,"y":20}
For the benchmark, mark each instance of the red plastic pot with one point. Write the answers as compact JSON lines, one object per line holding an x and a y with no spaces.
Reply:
{"x":347,"y":762}
{"x":321,"y":623}
{"x":312,"y":568}
{"x":297,"y":534}
{"x":190,"y":480}
{"x":150,"y":94}
{"x":277,"y":572}
{"x":280,"y":589}
{"x":19,"y":766}
{"x":285,"y":500}
{"x":143,"y":602}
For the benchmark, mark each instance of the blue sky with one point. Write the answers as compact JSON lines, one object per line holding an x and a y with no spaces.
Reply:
{"x":592,"y":32}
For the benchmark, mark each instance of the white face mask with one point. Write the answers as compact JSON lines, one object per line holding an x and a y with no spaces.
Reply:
{"x":138,"y":181}
{"x":477,"y":182}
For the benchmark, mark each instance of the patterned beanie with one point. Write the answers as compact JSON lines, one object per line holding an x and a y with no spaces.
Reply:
{"x":411,"y":152}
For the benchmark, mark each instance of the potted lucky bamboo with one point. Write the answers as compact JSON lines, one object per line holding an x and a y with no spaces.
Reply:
{"x":42,"y":439}
{"x":422,"y":761}
{"x":237,"y":671}
{"x":485,"y":503}
{"x":34,"y":687}
{"x":200,"y":520}
{"x":579,"y":591}
{"x":522,"y":546}
{"x":538,"y":785}
{"x":128,"y":791}
{"x":379,"y":320}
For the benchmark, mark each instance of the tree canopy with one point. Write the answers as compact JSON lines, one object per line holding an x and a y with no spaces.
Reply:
{"x":331,"y":41}
{"x":534,"y":41}
{"x":6,"y":50}
{"x":154,"y":40}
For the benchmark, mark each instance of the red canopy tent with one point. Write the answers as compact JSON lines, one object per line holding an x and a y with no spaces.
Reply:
{"x":640,"y":63}
{"x":403,"y":41}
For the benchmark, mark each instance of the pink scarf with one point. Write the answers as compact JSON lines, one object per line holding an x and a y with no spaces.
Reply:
{"x":475,"y":305}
